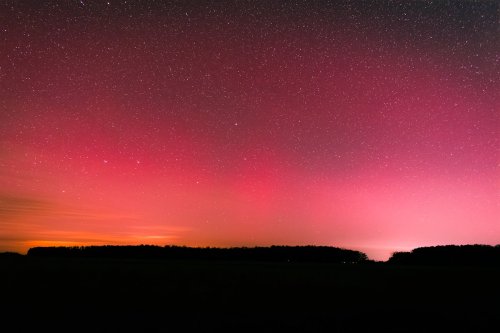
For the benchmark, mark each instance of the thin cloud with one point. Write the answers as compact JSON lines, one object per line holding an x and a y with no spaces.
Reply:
{"x":13,"y":206}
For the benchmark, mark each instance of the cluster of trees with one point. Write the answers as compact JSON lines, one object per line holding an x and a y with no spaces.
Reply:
{"x":484,"y":255}
{"x":465,"y":255}
{"x":274,"y":253}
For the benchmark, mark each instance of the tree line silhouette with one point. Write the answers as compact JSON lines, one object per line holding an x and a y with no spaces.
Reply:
{"x":445,"y":255}
{"x":325,"y":254}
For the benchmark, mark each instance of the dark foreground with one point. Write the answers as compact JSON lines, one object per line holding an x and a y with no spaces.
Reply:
{"x":116,"y":295}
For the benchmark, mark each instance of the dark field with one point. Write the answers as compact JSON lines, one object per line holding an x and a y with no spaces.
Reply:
{"x":70,"y":294}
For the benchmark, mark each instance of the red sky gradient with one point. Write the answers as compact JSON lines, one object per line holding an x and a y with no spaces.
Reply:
{"x":367,"y":126}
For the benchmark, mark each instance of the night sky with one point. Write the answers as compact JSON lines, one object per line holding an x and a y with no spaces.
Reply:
{"x":366,"y":125}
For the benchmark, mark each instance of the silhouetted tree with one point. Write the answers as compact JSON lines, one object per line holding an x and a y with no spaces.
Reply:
{"x":449,"y":255}
{"x":273,"y":253}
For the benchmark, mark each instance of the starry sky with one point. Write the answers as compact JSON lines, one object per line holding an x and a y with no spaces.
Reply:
{"x":370,"y":125}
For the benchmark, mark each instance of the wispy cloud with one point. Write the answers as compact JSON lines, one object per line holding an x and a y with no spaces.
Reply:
{"x":12,"y":206}
{"x":27,"y":221}
{"x":15,"y":206}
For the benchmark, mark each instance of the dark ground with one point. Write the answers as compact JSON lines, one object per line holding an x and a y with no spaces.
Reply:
{"x":116,"y":295}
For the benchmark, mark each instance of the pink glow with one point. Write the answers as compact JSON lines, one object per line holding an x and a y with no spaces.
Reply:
{"x":172,"y":132}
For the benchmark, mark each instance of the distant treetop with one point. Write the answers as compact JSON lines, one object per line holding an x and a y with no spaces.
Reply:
{"x":449,"y":255}
{"x":273,"y":253}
